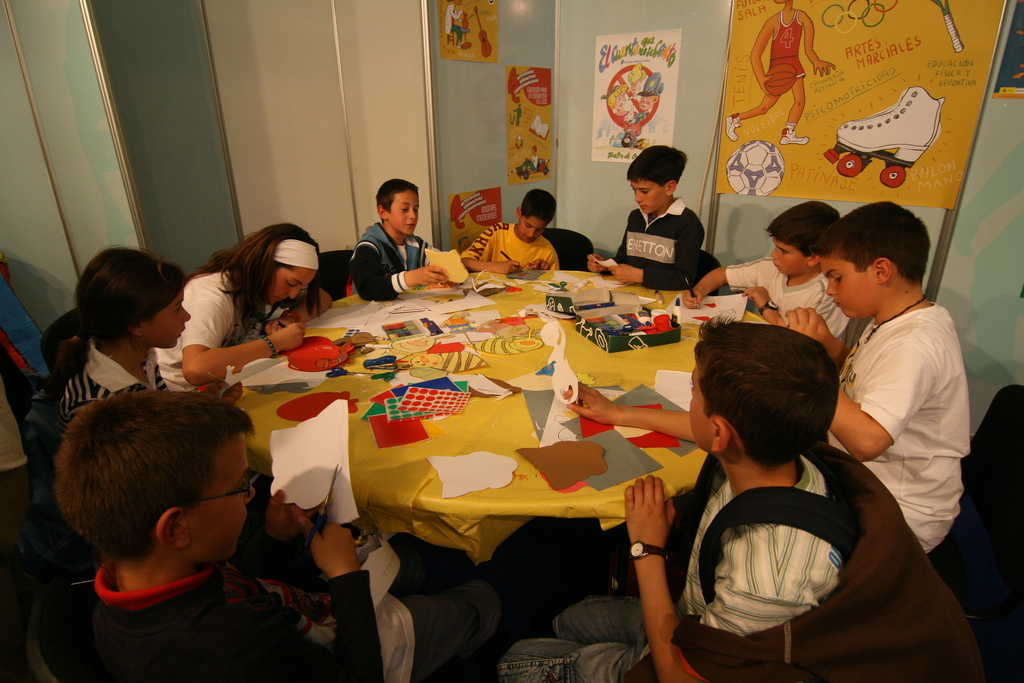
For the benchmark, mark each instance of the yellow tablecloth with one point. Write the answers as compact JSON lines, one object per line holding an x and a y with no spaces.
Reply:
{"x":398,"y":490}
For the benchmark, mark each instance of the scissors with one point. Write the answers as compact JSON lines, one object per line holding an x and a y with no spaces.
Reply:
{"x":321,"y":515}
{"x":562,"y":286}
{"x":341,"y":372}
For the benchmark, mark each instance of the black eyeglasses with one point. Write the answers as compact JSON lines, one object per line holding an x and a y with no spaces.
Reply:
{"x":250,"y":478}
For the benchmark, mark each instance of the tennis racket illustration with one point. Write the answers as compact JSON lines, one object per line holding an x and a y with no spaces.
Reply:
{"x":950,"y":25}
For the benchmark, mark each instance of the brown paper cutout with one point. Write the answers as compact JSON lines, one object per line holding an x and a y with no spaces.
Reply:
{"x":567,"y":462}
{"x":505,"y":385}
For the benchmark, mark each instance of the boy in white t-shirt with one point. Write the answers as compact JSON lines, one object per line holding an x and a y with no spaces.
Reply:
{"x":903,"y":406}
{"x":789,"y":278}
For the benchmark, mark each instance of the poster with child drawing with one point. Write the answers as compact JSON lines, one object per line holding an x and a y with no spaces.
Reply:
{"x":862,"y":101}
{"x":469,"y":30}
{"x":528,"y":123}
{"x":470,"y":213}
{"x":636,"y":78}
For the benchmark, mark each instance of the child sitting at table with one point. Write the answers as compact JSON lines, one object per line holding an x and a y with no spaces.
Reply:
{"x":903,"y":406}
{"x":158,"y":482}
{"x":662,"y":240}
{"x":248,"y":302}
{"x":789,"y":278}
{"x":509,"y":248}
{"x":775,"y":609}
{"x":389,"y":259}
{"x":129,"y":304}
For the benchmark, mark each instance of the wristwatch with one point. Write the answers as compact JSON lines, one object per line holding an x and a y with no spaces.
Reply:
{"x":641,"y":549}
{"x":770,"y":304}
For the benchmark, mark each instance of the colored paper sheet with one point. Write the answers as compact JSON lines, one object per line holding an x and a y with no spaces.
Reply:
{"x":374,"y":409}
{"x":304,"y":460}
{"x":438,"y":400}
{"x":567,"y":462}
{"x":388,"y":434}
{"x":462,"y":474}
{"x":538,"y":403}
{"x":526,"y":275}
{"x":309,"y":406}
{"x":451,"y":262}
{"x":625,"y":461}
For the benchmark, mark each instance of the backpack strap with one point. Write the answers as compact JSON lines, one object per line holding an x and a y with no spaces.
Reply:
{"x":831,"y":520}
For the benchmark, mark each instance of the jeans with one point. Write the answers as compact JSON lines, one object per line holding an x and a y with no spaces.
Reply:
{"x":599,"y":640}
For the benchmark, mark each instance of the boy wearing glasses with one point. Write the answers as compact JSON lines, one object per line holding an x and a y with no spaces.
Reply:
{"x":158,"y":483}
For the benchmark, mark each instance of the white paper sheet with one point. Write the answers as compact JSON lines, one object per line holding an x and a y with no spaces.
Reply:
{"x":563,"y":381}
{"x":462,"y":474}
{"x":675,"y":386}
{"x":608,"y":263}
{"x":355,"y":315}
{"x":231,"y":378}
{"x":280,"y":373}
{"x":383,"y":565}
{"x":304,"y":458}
{"x":730,"y":306}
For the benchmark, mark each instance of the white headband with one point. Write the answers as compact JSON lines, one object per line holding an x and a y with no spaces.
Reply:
{"x":297,"y":253}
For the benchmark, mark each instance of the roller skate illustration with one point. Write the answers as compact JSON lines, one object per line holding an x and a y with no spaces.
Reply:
{"x":898,"y":136}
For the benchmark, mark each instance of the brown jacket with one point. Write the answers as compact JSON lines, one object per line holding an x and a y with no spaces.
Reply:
{"x":891,"y":617}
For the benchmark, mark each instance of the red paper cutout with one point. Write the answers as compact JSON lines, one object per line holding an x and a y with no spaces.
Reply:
{"x":305,"y":407}
{"x":451,"y":347}
{"x":389,"y":434}
{"x":652,"y":440}
{"x":514,"y":289}
{"x":589,"y":427}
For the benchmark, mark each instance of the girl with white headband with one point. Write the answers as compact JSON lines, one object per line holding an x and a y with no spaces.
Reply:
{"x":246,"y":303}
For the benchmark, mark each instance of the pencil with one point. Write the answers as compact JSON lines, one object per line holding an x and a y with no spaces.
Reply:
{"x":505,"y":255}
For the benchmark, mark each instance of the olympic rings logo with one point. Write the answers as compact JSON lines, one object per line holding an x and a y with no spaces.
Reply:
{"x":834,"y":15}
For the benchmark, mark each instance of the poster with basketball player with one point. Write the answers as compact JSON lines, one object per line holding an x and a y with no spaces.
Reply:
{"x":470,"y":213}
{"x":636,"y":78}
{"x":528,"y":109}
{"x":469,"y":30}
{"x":862,"y":102}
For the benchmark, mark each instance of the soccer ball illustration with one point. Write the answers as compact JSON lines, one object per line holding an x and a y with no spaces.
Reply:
{"x":756,"y":168}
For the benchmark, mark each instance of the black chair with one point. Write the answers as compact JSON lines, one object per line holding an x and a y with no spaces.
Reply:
{"x":64,"y":327}
{"x":992,"y":475}
{"x":705,"y":264}
{"x":59,"y":643}
{"x":572,"y":248}
{"x":334,"y":272}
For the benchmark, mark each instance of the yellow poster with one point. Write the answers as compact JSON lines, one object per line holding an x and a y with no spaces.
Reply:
{"x":470,"y":213}
{"x":859,"y":101}
{"x":528,"y":106}
{"x":469,"y":30}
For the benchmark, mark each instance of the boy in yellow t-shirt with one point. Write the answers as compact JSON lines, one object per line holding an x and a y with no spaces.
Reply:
{"x":509,"y":248}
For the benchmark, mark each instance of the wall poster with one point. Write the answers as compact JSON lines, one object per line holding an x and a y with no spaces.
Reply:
{"x":470,"y":213}
{"x":469,"y":30}
{"x":636,"y":78}
{"x":1010,"y":80}
{"x":861,"y":101}
{"x":528,"y":108}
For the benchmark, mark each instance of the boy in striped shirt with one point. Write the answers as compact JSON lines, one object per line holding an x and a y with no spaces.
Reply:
{"x":755,"y":414}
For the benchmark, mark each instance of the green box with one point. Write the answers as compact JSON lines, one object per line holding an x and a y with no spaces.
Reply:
{"x":623,"y":302}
